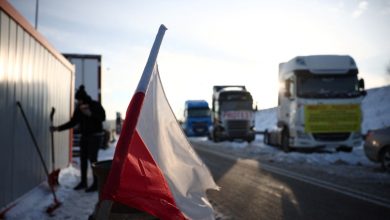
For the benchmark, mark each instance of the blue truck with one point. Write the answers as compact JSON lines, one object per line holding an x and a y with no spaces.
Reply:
{"x":197,"y":118}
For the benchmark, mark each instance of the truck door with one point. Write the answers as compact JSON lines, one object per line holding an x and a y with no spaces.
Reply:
{"x":286,"y":98}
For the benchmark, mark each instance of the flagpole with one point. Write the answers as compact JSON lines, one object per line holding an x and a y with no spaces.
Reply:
{"x":145,"y":78}
{"x":105,"y":205}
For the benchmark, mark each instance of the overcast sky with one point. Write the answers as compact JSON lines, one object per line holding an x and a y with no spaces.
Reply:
{"x":213,"y":42}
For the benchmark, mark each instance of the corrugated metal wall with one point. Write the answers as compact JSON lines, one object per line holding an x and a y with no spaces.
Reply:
{"x":30,"y":72}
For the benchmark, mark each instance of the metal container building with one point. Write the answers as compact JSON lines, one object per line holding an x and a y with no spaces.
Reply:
{"x":34,"y":73}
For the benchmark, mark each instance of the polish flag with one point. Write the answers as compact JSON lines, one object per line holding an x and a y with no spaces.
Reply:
{"x":155,"y":169}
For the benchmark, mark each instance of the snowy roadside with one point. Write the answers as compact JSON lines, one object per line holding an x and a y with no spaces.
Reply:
{"x":79,"y":204}
{"x":326,"y":159}
{"x":352,"y":170}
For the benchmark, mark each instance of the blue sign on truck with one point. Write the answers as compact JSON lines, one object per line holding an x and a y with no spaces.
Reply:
{"x":197,"y":118}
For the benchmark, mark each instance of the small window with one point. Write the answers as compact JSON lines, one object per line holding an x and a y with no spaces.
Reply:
{"x":292,"y":87}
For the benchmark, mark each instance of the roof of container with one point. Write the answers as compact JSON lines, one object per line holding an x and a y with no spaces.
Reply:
{"x":320,"y":64}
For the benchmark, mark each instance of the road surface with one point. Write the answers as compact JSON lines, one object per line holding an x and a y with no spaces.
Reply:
{"x":252,"y":190}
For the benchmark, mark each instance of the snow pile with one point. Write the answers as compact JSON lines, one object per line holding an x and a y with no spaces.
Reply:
{"x":376,"y":109}
{"x":75,"y":204}
{"x":265,"y":119}
{"x":273,"y":154}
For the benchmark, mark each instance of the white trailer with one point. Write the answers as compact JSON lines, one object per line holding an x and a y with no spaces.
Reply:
{"x":88,"y":73}
{"x":319,"y":104}
{"x":232,"y":114}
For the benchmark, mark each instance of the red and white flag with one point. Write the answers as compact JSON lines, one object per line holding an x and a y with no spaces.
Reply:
{"x":155,"y":169}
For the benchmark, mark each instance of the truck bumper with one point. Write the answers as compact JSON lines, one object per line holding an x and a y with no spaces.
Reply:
{"x":197,"y":131}
{"x":238,"y":134}
{"x":327,"y":140}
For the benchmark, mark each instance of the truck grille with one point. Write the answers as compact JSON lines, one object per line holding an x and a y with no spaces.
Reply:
{"x":199,"y":124}
{"x":237,"y":125}
{"x":237,"y":128}
{"x":199,"y":128}
{"x":331,"y":136}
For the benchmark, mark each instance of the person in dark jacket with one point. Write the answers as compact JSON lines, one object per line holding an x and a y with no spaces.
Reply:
{"x":89,"y":115}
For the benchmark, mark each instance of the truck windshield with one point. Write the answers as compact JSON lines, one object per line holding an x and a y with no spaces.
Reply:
{"x":236,"y":105}
{"x":198,"y":112}
{"x":327,"y":86}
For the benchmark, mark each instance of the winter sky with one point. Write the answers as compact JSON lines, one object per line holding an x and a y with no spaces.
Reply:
{"x":213,"y":42}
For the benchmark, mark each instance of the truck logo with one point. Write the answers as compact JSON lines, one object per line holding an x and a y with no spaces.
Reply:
{"x":237,"y":115}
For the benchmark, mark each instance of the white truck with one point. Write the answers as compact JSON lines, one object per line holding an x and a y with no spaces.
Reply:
{"x":232,"y":114}
{"x":319,"y":104}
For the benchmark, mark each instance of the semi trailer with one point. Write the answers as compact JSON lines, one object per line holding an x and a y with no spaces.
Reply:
{"x":232,"y":114}
{"x":319,"y":104}
{"x":197,"y":119}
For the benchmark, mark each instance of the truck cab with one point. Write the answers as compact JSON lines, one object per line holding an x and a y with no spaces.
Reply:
{"x":232,"y":114}
{"x":197,"y":118}
{"x":319,"y":103}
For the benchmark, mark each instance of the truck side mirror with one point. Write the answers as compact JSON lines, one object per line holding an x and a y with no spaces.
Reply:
{"x":361,"y":84}
{"x":361,"y":87}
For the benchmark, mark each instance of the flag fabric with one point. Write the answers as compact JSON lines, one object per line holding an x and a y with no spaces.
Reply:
{"x":155,"y":169}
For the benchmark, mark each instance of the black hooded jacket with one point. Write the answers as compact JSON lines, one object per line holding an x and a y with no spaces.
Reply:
{"x":88,"y":124}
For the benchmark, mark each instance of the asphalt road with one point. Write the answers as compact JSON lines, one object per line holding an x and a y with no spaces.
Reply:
{"x":251,"y":190}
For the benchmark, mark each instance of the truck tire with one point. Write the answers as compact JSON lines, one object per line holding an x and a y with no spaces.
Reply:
{"x":216,"y":137}
{"x":250,"y":139}
{"x":285,"y":141}
{"x":385,"y":159}
{"x":266,"y":137}
{"x":209,"y":137}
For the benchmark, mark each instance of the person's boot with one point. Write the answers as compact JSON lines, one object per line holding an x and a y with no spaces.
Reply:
{"x":81,"y":185}
{"x":92,"y":188}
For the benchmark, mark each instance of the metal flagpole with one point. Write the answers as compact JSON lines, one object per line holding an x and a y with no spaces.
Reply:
{"x":36,"y":14}
{"x":145,"y":78}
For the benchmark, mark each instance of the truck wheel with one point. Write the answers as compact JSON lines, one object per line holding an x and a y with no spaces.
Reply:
{"x":385,"y":159}
{"x":216,"y":136}
{"x":285,"y":141}
{"x":265,"y":138}
{"x":252,"y":138}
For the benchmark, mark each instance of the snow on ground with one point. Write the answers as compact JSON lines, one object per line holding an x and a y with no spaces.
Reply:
{"x":79,"y":204}
{"x":259,"y":150}
{"x":75,"y":204}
